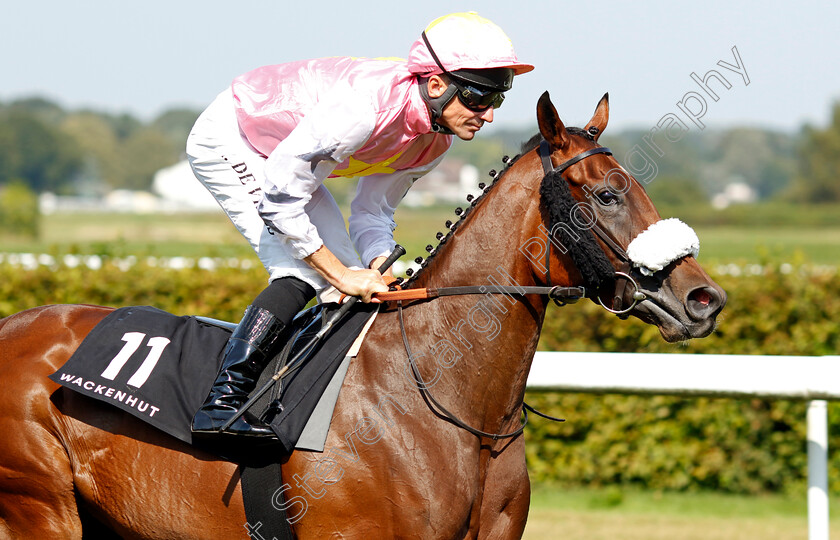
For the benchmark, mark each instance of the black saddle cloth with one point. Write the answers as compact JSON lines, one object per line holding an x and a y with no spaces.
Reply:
{"x":159,"y":367}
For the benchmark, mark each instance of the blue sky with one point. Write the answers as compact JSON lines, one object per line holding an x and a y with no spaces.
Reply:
{"x":145,"y":57}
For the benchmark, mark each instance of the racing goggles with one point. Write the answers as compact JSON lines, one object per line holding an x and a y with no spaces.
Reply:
{"x":474,"y":86}
{"x":477,"y":99}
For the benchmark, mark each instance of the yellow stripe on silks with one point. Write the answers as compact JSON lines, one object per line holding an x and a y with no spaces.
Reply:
{"x":360,"y":168}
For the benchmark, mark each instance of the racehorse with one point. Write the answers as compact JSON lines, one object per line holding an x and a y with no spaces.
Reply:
{"x":395,"y":465}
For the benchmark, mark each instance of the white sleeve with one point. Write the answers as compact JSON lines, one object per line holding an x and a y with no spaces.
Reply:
{"x":372,"y":210}
{"x":329,"y":133}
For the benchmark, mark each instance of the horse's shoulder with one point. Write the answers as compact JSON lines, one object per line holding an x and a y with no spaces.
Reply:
{"x":54,"y":317}
{"x":384,"y":329}
{"x":46,"y":334}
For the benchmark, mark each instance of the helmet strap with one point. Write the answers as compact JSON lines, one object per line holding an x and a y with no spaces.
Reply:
{"x":432,"y":52}
{"x":436,"y":105}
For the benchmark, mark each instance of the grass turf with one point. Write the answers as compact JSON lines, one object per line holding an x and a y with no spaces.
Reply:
{"x":611,"y":513}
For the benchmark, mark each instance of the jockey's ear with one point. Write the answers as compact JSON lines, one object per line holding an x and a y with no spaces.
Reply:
{"x":436,"y":86}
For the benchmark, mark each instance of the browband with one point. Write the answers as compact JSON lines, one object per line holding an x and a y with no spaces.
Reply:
{"x":545,"y":156}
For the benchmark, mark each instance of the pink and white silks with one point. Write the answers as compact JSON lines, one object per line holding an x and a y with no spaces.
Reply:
{"x":265,"y":146}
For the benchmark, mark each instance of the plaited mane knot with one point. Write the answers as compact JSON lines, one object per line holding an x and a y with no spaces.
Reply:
{"x":462,"y":214}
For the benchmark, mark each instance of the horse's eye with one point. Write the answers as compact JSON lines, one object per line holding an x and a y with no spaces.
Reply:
{"x":607,"y":197}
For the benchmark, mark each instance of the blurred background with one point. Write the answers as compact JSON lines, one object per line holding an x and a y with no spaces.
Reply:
{"x":98,"y":206}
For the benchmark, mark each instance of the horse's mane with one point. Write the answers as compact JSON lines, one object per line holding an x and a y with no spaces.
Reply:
{"x":589,"y":258}
{"x":557,"y":200}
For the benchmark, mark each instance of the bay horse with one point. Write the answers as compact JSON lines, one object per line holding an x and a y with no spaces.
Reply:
{"x":393,"y":467}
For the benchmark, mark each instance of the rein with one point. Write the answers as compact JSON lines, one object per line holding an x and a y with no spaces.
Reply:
{"x":441,"y":410}
{"x":560,"y":295}
{"x":565,"y":295}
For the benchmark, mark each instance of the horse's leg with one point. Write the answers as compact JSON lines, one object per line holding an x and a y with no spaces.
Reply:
{"x":58,"y":447}
{"x":145,"y":484}
{"x":383,"y":474}
{"x":37,"y":499}
{"x":507,"y":493}
{"x":37,"y":496}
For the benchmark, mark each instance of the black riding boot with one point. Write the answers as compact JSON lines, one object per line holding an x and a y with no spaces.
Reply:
{"x":250,"y":348}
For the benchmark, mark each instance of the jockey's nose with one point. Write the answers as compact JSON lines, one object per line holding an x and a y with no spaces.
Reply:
{"x":487,"y":114}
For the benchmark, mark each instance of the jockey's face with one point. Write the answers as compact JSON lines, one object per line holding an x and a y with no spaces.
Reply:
{"x":461,"y":121}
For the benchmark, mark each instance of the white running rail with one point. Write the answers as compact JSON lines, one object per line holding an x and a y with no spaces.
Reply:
{"x":812,"y":378}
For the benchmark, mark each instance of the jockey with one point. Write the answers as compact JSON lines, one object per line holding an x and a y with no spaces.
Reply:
{"x":265,"y":146}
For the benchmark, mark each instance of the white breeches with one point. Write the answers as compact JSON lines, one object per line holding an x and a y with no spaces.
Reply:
{"x":234,"y":173}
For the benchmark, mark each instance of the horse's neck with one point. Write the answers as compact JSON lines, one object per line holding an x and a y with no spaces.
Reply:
{"x":486,"y":342}
{"x":489,"y":238}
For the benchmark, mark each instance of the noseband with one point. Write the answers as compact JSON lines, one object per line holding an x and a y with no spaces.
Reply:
{"x":622,"y":277}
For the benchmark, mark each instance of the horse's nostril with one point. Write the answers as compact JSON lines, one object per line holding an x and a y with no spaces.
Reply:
{"x":703,"y":302}
{"x":701,"y":296}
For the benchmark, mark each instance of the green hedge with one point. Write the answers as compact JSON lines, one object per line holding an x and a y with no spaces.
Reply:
{"x":223,"y":293}
{"x":734,"y":445}
{"x":744,"y":446}
{"x":19,"y":213}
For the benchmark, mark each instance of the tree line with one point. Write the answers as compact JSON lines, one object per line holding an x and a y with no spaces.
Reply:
{"x":798,"y":167}
{"x":86,"y":152}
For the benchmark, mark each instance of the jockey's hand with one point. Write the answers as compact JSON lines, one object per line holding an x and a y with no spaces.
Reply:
{"x":361,"y":283}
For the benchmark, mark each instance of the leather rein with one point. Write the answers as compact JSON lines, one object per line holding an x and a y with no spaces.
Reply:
{"x":560,"y":295}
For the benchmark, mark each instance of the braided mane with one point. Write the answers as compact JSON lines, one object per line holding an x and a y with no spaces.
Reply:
{"x":453,"y":226}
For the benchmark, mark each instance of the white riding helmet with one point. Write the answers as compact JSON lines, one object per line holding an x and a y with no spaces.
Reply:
{"x":463,"y":41}
{"x":476,"y":55}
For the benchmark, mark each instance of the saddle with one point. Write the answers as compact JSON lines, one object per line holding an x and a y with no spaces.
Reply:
{"x":159,"y":368}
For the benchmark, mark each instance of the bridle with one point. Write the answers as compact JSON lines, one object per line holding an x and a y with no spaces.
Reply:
{"x":560,"y":295}
{"x":622,"y":277}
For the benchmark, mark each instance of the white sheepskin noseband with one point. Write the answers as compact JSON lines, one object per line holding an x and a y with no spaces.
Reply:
{"x":662,"y":243}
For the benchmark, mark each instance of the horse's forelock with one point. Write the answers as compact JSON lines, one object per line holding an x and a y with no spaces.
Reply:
{"x":534,"y":141}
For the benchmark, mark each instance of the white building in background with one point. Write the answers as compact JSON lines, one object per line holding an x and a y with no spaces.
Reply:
{"x":734,"y":193}
{"x":131,"y":202}
{"x":176,"y":189}
{"x":449,"y":183}
{"x":179,"y":189}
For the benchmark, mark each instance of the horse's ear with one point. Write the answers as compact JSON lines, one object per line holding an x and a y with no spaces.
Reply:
{"x":551,"y":127}
{"x":598,"y":124}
